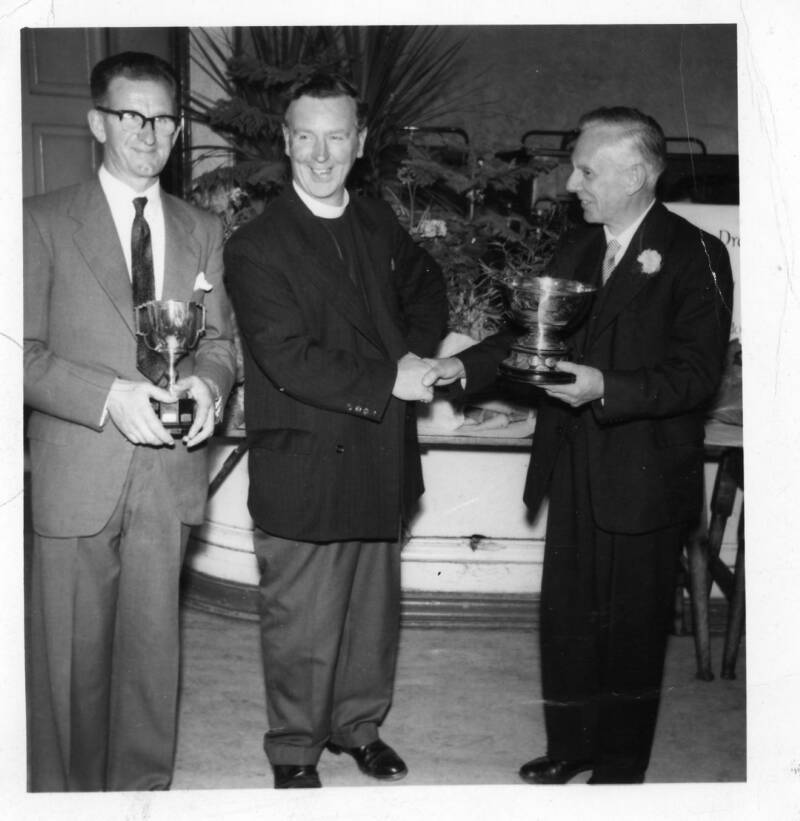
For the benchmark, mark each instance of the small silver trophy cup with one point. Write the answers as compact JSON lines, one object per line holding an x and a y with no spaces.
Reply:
{"x":549,"y":309}
{"x":172,"y":328}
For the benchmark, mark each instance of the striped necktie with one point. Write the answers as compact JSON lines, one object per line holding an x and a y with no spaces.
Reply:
{"x":608,"y":259}
{"x":144,"y":288}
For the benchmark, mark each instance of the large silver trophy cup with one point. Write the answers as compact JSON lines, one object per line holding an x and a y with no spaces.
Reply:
{"x":549,"y":309}
{"x":172,"y":328}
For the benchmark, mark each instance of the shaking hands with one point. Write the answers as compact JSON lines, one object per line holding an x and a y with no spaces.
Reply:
{"x":416,"y":377}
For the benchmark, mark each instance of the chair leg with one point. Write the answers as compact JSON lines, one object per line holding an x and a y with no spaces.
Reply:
{"x":705,"y":567}
{"x":680,"y":626}
{"x":699,"y":583}
{"x":733,"y":633}
{"x":722,"y":501}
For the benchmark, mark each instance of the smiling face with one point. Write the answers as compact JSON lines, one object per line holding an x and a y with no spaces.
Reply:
{"x":607,"y":176}
{"x":136,"y":158}
{"x":322,"y":142}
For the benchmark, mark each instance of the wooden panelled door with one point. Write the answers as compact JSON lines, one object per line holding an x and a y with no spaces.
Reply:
{"x":57,"y":147}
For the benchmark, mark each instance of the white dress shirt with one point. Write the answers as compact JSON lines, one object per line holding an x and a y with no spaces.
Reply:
{"x":120,"y":200}
{"x":624,"y":237}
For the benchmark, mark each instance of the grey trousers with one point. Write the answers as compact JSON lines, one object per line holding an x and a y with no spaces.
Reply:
{"x":104,"y":645}
{"x":330,"y":617}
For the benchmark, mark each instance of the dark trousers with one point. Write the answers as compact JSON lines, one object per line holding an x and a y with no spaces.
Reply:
{"x":104,"y":654}
{"x":606,"y":605}
{"x":330,"y":618}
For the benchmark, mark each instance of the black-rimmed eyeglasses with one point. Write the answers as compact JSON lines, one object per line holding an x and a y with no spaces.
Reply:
{"x":163,"y":124}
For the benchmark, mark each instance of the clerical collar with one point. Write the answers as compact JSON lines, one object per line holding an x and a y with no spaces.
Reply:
{"x":322,"y":209}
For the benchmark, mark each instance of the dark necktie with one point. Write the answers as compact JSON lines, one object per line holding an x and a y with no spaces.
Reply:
{"x":144,"y":289}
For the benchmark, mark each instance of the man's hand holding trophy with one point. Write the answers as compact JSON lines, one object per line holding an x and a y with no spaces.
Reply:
{"x":171,"y":328}
{"x":184,"y":408}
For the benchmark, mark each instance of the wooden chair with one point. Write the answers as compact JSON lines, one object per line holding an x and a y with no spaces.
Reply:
{"x":703,"y":563}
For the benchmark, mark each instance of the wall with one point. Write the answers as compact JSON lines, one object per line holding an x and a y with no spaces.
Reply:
{"x":545,"y":77}
{"x":515,"y":78}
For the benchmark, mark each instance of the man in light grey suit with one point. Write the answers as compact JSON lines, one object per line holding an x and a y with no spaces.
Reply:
{"x":113,"y":494}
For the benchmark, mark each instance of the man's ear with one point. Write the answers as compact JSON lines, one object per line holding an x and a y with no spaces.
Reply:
{"x":362,"y":137}
{"x":97,"y":125}
{"x":286,"y":134}
{"x":637,"y":177}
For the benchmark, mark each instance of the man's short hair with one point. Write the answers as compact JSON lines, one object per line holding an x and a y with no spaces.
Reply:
{"x":323,"y":84}
{"x":644,"y":131}
{"x":134,"y":65}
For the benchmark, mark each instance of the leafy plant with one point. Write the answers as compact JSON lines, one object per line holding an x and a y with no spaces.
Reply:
{"x":457,"y":203}
{"x":458,"y":214}
{"x":400,"y":72}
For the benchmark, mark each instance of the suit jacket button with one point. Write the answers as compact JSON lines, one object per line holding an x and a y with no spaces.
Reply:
{"x":340,"y":448}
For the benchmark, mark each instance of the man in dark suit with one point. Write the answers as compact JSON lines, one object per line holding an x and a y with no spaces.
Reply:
{"x":113,"y":494}
{"x":619,"y":451}
{"x":335,"y":304}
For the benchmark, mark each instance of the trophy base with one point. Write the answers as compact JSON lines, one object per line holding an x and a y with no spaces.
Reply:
{"x":176,"y":417}
{"x":536,"y":378}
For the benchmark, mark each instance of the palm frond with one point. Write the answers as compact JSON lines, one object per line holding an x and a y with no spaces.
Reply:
{"x":400,"y":72}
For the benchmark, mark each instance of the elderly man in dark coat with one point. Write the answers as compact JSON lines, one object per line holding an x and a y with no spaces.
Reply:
{"x":619,"y":451}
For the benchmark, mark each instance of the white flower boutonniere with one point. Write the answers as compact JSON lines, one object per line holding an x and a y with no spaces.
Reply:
{"x":649,"y":261}
{"x":201,"y":283}
{"x":201,"y":287}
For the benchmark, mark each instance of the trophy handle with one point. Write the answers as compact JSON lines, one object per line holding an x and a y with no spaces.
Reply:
{"x":144,"y":326}
{"x":200,"y":325}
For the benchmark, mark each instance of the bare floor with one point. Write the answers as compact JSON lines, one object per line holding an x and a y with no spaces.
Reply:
{"x":466,"y":711}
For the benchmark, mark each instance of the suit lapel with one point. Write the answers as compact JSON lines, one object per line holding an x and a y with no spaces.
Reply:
{"x":182,"y":256}
{"x":97,"y":241}
{"x":581,"y":259}
{"x":627,"y":280}
{"x":377,"y":287}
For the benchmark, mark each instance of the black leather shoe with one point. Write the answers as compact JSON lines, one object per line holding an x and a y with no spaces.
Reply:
{"x":546,"y":770}
{"x":295,"y":776}
{"x":377,"y":760}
